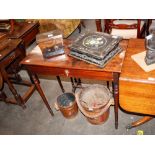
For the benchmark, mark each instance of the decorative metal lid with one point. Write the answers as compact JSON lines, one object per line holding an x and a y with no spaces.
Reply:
{"x":96,"y":44}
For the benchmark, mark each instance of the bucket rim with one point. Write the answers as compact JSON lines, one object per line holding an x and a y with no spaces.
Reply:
{"x":70,"y":102}
{"x":95,"y":108}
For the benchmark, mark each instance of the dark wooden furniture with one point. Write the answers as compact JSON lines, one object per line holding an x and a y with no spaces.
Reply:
{"x":10,"y":56}
{"x":148,"y":24}
{"x":26,"y":31}
{"x":1,"y":81}
{"x":65,"y":65}
{"x":111,"y":25}
{"x":137,"y":87}
{"x":9,"y":22}
{"x":2,"y":35}
{"x":81,"y":25}
{"x":98,"y":25}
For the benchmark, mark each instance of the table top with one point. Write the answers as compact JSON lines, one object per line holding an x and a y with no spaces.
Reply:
{"x":21,"y":28}
{"x":2,"y":35}
{"x":131,"y":71}
{"x":68,"y":62}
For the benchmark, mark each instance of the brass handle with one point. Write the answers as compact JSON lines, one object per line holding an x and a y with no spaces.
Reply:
{"x":67,"y":72}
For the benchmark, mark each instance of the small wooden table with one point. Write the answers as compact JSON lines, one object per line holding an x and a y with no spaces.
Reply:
{"x":65,"y":65}
{"x":137,"y":87}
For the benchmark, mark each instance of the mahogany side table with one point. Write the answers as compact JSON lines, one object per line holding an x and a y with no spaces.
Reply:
{"x":67,"y":66}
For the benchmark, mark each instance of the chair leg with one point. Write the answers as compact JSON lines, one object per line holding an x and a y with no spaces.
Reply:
{"x":98,"y":25}
{"x":79,"y":28}
{"x":76,"y":83}
{"x":79,"y":82}
{"x":139,"y":122}
{"x":80,"y":25}
{"x":75,"y":80}
{"x":83,"y":24}
{"x":148,"y":24}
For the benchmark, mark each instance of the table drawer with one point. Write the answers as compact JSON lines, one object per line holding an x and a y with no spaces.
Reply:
{"x":72,"y":73}
{"x":10,"y":58}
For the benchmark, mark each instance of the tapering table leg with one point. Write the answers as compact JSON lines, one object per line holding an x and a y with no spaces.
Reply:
{"x":38,"y":87}
{"x":61,"y":86}
{"x":73,"y":86}
{"x":116,"y":96}
{"x":79,"y":82}
{"x":108,"y":85}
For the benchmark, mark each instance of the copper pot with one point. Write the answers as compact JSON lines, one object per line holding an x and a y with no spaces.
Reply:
{"x":100,"y":119}
{"x":96,"y":113}
{"x":67,"y":105}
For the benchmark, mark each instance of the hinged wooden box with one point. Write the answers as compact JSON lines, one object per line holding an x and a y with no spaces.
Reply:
{"x":50,"y":43}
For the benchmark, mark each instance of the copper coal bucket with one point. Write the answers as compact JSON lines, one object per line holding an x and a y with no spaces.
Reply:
{"x":93,"y":102}
{"x":67,"y":105}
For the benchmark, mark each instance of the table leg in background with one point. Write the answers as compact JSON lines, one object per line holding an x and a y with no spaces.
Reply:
{"x":61,"y":86}
{"x":116,"y":96}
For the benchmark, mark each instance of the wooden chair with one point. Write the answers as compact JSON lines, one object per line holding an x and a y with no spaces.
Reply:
{"x":125,"y":28}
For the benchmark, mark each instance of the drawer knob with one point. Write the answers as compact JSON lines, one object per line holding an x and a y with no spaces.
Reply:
{"x":67,"y":72}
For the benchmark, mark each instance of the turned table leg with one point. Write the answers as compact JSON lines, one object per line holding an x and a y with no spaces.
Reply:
{"x":139,"y":122}
{"x":38,"y":87}
{"x":116,"y":96}
{"x":17,"y":97}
